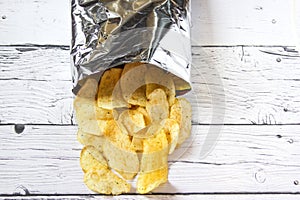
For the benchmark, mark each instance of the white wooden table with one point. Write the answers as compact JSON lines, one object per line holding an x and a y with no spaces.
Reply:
{"x":244,"y":52}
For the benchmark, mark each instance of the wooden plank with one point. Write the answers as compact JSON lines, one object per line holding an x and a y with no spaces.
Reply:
{"x":35,"y":63}
{"x":36,"y":102}
{"x":215,"y":22}
{"x":35,"y":85}
{"x":260,"y":85}
{"x":164,"y":197}
{"x":35,"y":21}
{"x":243,"y":22}
{"x":232,"y":85}
{"x":261,"y":159}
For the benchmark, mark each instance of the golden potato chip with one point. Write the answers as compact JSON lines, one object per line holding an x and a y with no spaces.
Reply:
{"x":157,"y":78}
{"x":144,"y":112}
{"x":114,"y":134}
{"x":121,"y":159}
{"x":90,"y":139}
{"x":105,"y":181}
{"x":118,"y":151}
{"x":155,"y":152}
{"x":148,"y":131}
{"x":109,"y":93}
{"x":137,"y":144}
{"x":133,"y":83}
{"x":130,"y":126}
{"x":157,"y":106}
{"x":150,"y":180}
{"x":126,"y":175}
{"x":171,"y":128}
{"x":88,"y":89}
{"x":154,"y":163}
{"x":91,"y":159}
{"x":181,"y":111}
{"x":85,"y":108}
{"x":132,"y":121}
{"x":103,"y":114}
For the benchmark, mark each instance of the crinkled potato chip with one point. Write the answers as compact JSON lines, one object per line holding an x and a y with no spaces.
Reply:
{"x":150,"y":180}
{"x":133,"y":83}
{"x":171,"y":128}
{"x":158,"y":78}
{"x":85,"y":108}
{"x":181,"y":111}
{"x":109,"y":83}
{"x":157,"y":106}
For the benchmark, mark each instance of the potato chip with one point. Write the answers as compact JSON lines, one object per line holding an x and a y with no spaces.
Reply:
{"x":171,"y":128}
{"x":155,"y":152}
{"x":114,"y":134}
{"x":90,"y":139}
{"x":150,"y":180}
{"x":133,"y":84}
{"x":88,"y":89}
{"x":144,"y":112}
{"x":148,"y":131}
{"x":126,"y":175}
{"x":129,"y":127}
{"x":157,"y":106}
{"x":137,"y":144}
{"x":91,"y":159}
{"x":154,"y":163}
{"x":158,"y":78}
{"x":109,"y":93}
{"x":105,"y":181}
{"x":121,"y":159}
{"x":103,"y":114}
{"x":118,"y":151}
{"x":85,"y":107}
{"x":181,"y":111}
{"x":132,"y":121}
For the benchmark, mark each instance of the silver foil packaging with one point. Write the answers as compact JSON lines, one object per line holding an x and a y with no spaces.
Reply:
{"x":110,"y":33}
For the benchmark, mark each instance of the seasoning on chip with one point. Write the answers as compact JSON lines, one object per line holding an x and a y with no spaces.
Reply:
{"x":129,"y":132}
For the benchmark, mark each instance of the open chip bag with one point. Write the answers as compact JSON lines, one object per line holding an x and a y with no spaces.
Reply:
{"x":131,"y":61}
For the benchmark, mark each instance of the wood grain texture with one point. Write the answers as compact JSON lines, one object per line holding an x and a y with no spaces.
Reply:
{"x":45,"y":160}
{"x":164,"y":197}
{"x":215,"y":22}
{"x":232,"y":85}
{"x":35,"y":84}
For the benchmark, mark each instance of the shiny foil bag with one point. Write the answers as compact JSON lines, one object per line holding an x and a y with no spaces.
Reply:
{"x":110,"y":33}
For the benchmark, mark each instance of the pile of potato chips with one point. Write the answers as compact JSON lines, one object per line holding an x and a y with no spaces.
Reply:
{"x":129,"y":123}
